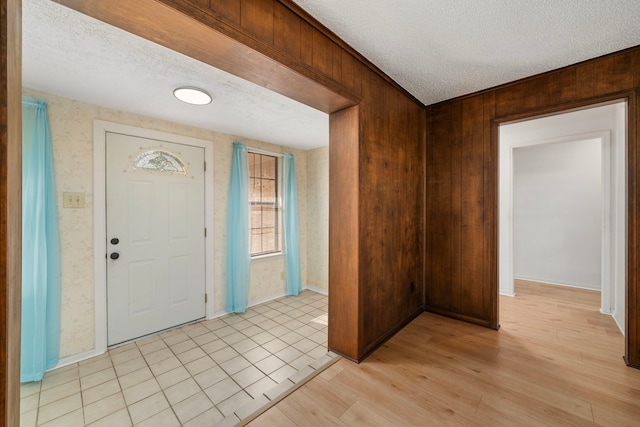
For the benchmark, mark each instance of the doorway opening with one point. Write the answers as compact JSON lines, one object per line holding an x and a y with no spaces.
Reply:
{"x":562,"y":205}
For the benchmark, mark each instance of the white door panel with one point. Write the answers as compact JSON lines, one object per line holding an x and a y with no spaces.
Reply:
{"x":157,"y":214}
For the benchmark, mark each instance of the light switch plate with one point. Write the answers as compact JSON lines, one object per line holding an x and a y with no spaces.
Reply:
{"x":72,"y":200}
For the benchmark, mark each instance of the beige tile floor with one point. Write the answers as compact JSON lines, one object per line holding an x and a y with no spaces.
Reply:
{"x":214,"y":371}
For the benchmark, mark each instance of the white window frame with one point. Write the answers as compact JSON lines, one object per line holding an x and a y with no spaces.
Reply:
{"x":279,"y":206}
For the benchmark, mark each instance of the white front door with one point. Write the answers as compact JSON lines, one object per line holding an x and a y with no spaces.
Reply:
{"x":155,"y":235}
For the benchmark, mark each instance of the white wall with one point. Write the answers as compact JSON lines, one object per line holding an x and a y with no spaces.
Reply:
{"x":609,"y":119}
{"x":71,"y":124}
{"x":557,"y":213}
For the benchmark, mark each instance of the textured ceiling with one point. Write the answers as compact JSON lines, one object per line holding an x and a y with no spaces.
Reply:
{"x":435,"y":49}
{"x":440,"y":49}
{"x":73,"y":55}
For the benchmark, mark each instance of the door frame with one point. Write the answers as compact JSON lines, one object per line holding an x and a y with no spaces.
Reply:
{"x":100,"y":129}
{"x":506,"y":270}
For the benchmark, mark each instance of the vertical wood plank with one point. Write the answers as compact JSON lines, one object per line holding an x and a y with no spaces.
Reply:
{"x":613,"y":74}
{"x":286,"y":34}
{"x":10,"y":209}
{"x":456,"y":246}
{"x":635,"y":70}
{"x":344,"y":294}
{"x":632,"y":321}
{"x":227,"y":11}
{"x":204,"y":4}
{"x":322,"y":53}
{"x":337,"y":62}
{"x":306,"y":43}
{"x":563,"y":86}
{"x":472,"y":209}
{"x":256,"y":17}
{"x":585,"y":80}
{"x":439,"y":194}
{"x":490,"y":211}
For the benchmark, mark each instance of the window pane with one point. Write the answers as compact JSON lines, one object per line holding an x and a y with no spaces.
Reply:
{"x":269,"y":239}
{"x":269,"y":167}
{"x":256,"y":217}
{"x":268,"y":217}
{"x":256,"y":241}
{"x":255,"y":188}
{"x":268,"y":191}
{"x":263,"y":192}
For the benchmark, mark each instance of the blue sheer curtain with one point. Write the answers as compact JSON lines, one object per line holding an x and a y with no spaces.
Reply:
{"x":290,"y":220}
{"x":238,"y":262}
{"x":40,"y":346}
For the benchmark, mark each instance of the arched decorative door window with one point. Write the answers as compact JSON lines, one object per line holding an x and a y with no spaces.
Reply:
{"x":159,"y":161}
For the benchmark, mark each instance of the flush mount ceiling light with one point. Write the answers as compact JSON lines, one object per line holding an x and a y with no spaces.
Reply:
{"x":192,"y":95}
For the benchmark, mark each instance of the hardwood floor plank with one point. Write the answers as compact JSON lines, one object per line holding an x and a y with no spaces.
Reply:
{"x":274,"y":417}
{"x":555,"y":361}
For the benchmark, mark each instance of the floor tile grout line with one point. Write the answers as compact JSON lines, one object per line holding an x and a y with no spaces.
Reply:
{"x":281,"y":307}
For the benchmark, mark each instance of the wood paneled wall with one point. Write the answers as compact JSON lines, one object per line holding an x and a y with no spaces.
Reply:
{"x":462,"y":182}
{"x":376,"y":143}
{"x":391,"y":201}
{"x":10,"y":209}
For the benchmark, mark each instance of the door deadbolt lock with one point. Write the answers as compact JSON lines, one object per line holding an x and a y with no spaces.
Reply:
{"x":114,"y":255}
{"x":115,"y":241}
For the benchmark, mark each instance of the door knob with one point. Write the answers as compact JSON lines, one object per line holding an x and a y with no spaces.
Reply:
{"x":115,"y":241}
{"x":114,"y":255}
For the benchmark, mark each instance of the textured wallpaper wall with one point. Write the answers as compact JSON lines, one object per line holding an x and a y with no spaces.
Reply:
{"x":72,"y":133}
{"x":318,"y":218}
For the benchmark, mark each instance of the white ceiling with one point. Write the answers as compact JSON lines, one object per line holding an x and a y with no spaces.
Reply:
{"x":441,"y":49}
{"x":73,"y":55}
{"x":436,"y":50}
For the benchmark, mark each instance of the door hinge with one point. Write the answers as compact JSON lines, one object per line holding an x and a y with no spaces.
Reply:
{"x":205,"y":232}
{"x":205,"y":298}
{"x":205,"y":166}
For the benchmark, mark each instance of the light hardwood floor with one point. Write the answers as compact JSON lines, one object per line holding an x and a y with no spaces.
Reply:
{"x":555,"y":361}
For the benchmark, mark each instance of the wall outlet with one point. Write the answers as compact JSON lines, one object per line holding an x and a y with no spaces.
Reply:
{"x":72,"y":200}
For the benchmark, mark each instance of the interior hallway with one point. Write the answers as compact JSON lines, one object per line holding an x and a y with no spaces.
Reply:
{"x":208,"y":372}
{"x":555,"y":361}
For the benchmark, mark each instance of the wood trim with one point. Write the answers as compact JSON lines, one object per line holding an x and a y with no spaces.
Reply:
{"x":173,"y":24}
{"x":345,"y":317}
{"x":457,"y":316}
{"x":10,"y":209}
{"x":632,"y":319}
{"x":569,"y":69}
{"x":490,"y":188}
{"x":306,"y":16}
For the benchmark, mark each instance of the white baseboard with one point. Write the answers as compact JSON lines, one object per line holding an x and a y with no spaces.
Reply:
{"x":504,"y":294}
{"x":76,"y":358}
{"x":318,"y":290}
{"x":551,"y":282}
{"x":618,"y":324}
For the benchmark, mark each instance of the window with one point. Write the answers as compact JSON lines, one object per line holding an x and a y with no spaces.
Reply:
{"x":265,"y":204}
